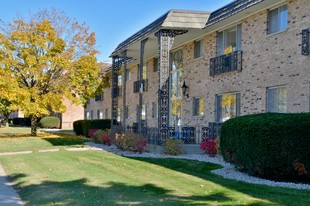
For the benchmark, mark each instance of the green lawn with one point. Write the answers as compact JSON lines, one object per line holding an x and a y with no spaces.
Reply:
{"x":101,"y":178}
{"x":14,"y":139}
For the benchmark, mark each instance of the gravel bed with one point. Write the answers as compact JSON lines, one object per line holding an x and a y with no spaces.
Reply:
{"x":228,"y":171}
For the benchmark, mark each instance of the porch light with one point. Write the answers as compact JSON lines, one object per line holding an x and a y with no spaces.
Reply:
{"x":184,"y":89}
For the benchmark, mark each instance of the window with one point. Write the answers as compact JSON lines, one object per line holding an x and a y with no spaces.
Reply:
{"x":227,"y":106}
{"x":118,"y":118}
{"x":98,"y":98}
{"x":198,"y":106}
{"x":229,"y":40}
{"x":99,"y":114}
{"x":154,"y":110}
{"x":155,"y":64}
{"x":91,"y":114}
{"x":128,"y":76}
{"x":119,"y":80}
{"x":107,"y":113}
{"x":143,"y":112}
{"x":198,"y":49}
{"x":277,"y":99}
{"x":277,"y":19}
{"x":127,"y":112}
{"x":144,"y":71}
{"x":87,"y":115}
{"x":175,"y":87}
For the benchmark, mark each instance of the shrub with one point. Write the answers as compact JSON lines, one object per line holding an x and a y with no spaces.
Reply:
{"x":273,"y":146}
{"x":22,"y":121}
{"x":129,"y":141}
{"x":100,"y":124}
{"x":210,"y":147}
{"x":82,"y":127}
{"x":91,"y":132}
{"x":50,"y":122}
{"x":102,"y":136}
{"x":79,"y":127}
{"x":172,"y":147}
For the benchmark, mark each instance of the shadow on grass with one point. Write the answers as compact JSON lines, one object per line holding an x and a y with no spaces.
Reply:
{"x":61,"y":141}
{"x":276,"y":195}
{"x":81,"y":192}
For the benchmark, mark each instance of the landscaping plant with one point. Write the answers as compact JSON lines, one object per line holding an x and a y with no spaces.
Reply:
{"x":101,"y":136}
{"x":50,"y":122}
{"x":129,"y":141}
{"x":210,"y":147}
{"x":172,"y":147}
{"x":273,"y":146}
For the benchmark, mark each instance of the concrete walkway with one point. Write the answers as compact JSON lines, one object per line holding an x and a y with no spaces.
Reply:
{"x":8,"y":196}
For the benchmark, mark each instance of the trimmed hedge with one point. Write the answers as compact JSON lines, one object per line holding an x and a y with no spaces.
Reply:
{"x":50,"y":122}
{"x":272,"y":146}
{"x":81,"y":127}
{"x":22,"y":121}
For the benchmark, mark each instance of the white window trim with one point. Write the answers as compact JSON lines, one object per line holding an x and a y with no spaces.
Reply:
{"x":275,"y":87}
{"x":202,"y":50}
{"x":272,"y":8}
{"x":198,"y":97}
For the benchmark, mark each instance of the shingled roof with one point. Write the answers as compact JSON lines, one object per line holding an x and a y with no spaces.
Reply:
{"x":175,"y":19}
{"x":230,"y":9}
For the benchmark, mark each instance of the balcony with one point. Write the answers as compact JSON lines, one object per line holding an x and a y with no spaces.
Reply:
{"x":226,"y":63}
{"x":137,"y":85}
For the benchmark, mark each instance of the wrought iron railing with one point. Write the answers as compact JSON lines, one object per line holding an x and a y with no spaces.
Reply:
{"x":188,"y":134}
{"x":226,"y":63}
{"x":137,"y":85}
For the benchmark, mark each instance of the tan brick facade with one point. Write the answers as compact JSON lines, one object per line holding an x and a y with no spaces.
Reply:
{"x":268,"y":61}
{"x":95,"y":107}
{"x":73,"y":113}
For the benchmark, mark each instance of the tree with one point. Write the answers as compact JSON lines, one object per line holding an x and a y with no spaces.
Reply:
{"x":48,"y":58}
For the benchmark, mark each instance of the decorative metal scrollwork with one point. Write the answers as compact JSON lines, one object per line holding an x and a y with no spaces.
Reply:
{"x":305,"y":45}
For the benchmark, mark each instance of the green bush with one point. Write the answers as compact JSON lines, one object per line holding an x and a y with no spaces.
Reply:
{"x":129,"y":141}
{"x":50,"y":122}
{"x":273,"y":146}
{"x":78,"y":126}
{"x":22,"y":121}
{"x":172,"y":147}
{"x":82,"y":127}
{"x":100,"y":124}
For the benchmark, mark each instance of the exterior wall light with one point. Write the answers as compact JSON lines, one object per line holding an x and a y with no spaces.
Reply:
{"x":184,"y":89}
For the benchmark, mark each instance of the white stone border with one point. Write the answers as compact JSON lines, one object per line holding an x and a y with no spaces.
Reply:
{"x":228,"y":171}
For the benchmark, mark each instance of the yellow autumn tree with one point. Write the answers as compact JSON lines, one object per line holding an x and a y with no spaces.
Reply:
{"x":46,"y":59}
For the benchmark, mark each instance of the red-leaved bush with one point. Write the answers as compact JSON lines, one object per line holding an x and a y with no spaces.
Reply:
{"x":106,"y":139}
{"x":91,"y":132}
{"x":209,"y":146}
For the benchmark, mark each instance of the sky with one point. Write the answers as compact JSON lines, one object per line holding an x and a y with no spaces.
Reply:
{"x":113,"y":21}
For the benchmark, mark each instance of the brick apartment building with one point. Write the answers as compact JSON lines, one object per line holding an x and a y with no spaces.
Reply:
{"x":188,"y":71}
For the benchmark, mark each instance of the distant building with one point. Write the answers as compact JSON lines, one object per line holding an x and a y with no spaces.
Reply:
{"x":100,"y":106}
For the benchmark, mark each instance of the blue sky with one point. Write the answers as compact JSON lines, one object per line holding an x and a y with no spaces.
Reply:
{"x":113,"y":21}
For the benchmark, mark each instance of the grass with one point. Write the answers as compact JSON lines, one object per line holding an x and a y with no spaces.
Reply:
{"x":14,"y":139}
{"x":101,"y":178}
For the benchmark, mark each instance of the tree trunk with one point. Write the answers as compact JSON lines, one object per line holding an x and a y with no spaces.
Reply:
{"x":7,"y":119}
{"x":33,"y":125}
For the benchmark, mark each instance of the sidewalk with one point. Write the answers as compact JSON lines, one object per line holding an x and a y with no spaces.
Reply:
{"x":8,"y":196}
